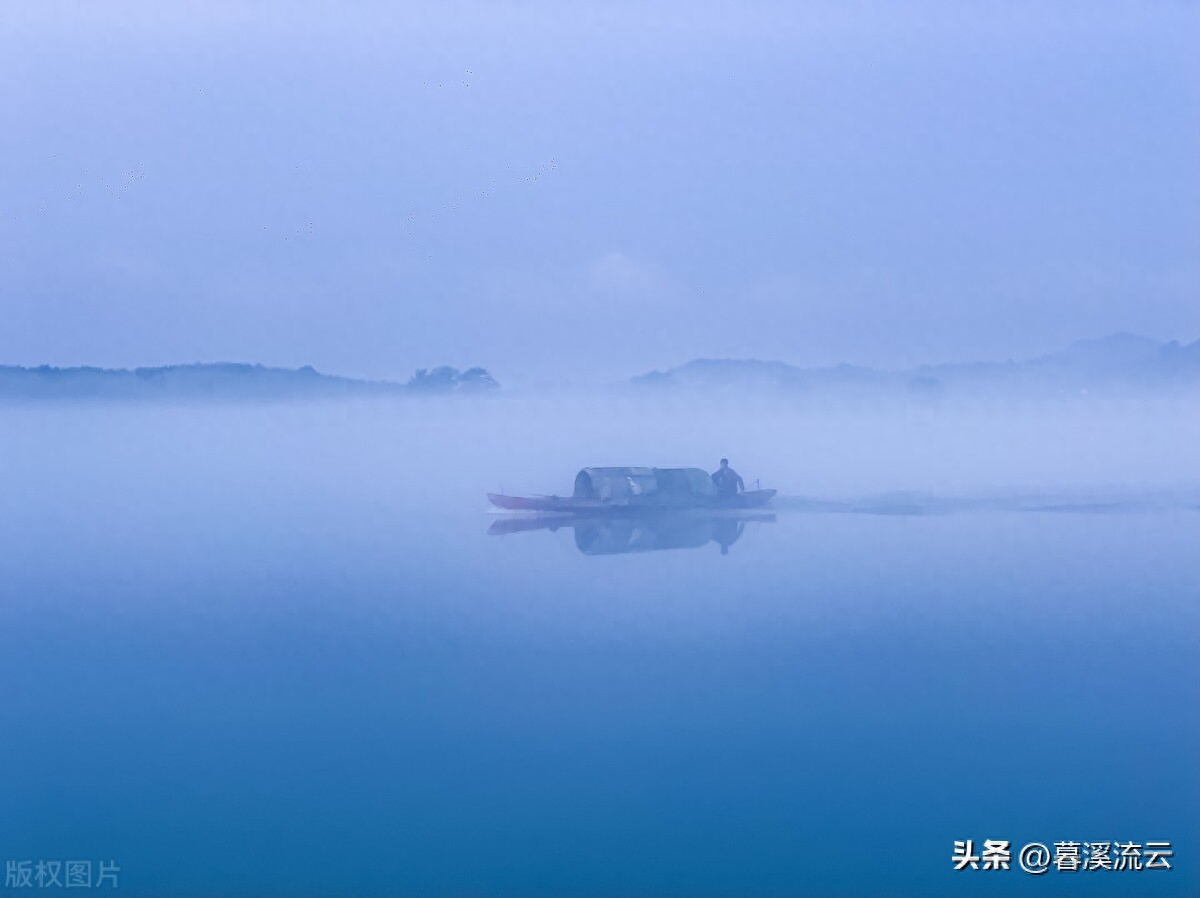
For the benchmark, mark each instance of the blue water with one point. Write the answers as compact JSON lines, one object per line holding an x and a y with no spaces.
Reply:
{"x":241,"y":660}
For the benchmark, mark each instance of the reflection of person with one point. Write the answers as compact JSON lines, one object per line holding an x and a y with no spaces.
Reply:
{"x":727,"y":533}
{"x":728,"y":481}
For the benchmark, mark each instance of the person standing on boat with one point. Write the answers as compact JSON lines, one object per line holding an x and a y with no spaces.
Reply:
{"x":728,"y":481}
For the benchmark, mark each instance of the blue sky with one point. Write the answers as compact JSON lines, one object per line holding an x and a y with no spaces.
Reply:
{"x":583,"y":192}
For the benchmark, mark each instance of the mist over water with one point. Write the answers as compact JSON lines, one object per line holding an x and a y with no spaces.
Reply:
{"x":266,"y":649}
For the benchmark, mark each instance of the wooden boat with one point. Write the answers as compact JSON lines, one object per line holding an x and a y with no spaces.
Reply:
{"x":603,"y":490}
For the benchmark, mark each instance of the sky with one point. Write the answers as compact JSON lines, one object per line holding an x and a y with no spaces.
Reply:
{"x":575,"y":193}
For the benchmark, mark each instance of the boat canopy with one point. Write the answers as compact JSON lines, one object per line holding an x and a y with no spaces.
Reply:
{"x":685,"y":482}
{"x":629,"y":484}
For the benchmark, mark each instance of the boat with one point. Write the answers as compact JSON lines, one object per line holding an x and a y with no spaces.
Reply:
{"x":608,"y":489}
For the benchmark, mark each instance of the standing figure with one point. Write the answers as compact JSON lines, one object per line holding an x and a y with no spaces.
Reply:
{"x":728,"y":481}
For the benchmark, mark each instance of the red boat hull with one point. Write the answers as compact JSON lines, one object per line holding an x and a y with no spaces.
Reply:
{"x":749,"y":499}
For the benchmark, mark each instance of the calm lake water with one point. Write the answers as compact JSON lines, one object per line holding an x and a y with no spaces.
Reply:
{"x":269,"y":650}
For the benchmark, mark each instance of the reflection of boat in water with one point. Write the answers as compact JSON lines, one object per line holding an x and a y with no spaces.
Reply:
{"x":605,"y":490}
{"x":619,"y":532}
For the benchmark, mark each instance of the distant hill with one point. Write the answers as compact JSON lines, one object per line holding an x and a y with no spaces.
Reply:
{"x":1119,"y":364}
{"x":222,"y":381}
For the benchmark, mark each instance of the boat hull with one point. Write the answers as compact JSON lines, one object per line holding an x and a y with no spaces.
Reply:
{"x":748,"y":499}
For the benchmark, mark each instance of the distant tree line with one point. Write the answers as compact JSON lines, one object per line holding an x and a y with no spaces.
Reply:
{"x":445,"y":379}
{"x":225,"y":380}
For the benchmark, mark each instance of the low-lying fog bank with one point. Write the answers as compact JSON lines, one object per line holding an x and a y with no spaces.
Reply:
{"x":454,"y":451}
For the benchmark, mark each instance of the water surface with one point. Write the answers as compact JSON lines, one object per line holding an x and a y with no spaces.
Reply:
{"x":266,"y":650}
